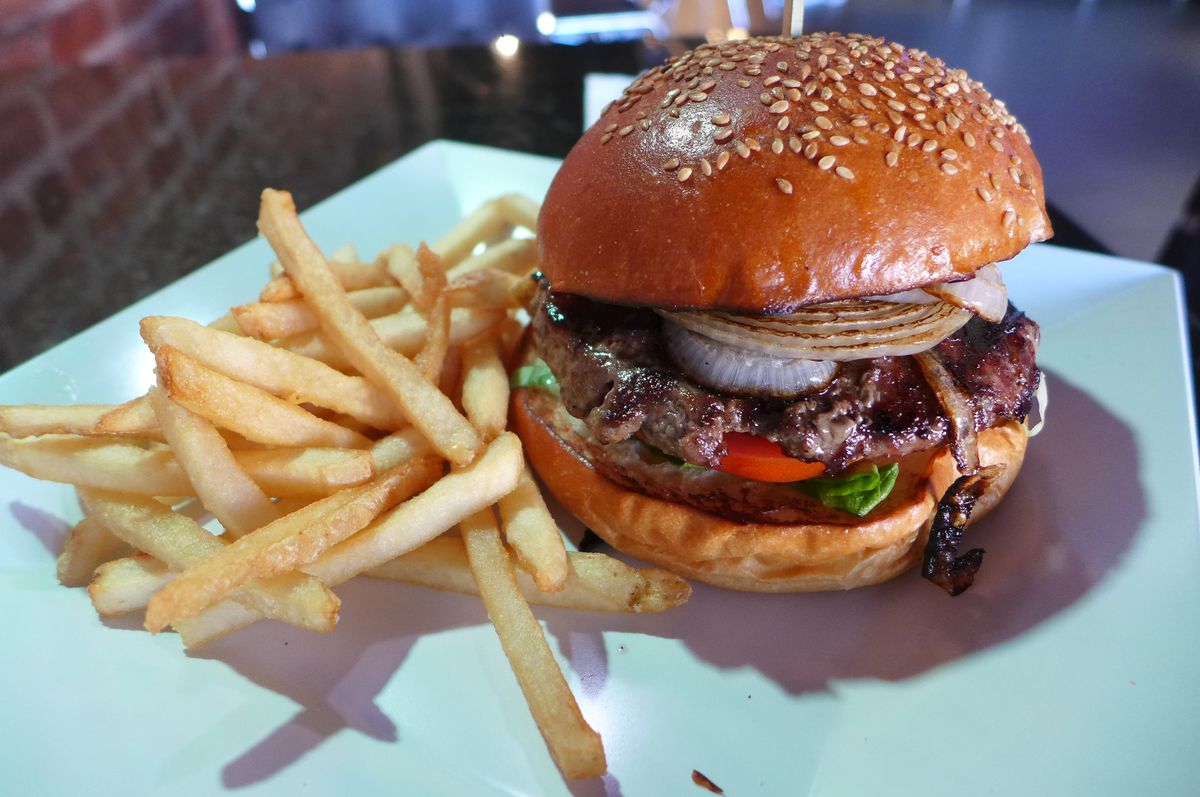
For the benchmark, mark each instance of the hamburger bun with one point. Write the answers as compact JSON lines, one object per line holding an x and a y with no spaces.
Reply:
{"x":761,"y":175}
{"x":812,"y":556}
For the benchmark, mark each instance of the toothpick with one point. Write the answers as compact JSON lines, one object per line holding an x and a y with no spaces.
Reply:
{"x":793,"y":17}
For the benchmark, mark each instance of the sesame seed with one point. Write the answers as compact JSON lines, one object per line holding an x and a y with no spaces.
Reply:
{"x":1010,"y":218}
{"x":772,"y":80}
{"x":722,"y":159}
{"x":705,"y":167}
{"x":723,"y":135}
{"x":984,"y":194}
{"x":819,"y":106}
{"x":811,"y":134}
{"x":868,"y":104}
{"x":626,"y":130}
{"x":949,"y":154}
{"x":783,"y":124}
{"x":671,"y":165}
{"x":1026,"y":181}
{"x":867,"y":89}
{"x":708,"y":84}
{"x":896,"y":105}
{"x":995,"y":144}
{"x":604,"y":139}
{"x":995,"y":181}
{"x":727,"y":66}
{"x":697,"y":96}
{"x":929,"y":146}
{"x":777,"y":146}
{"x":780,"y":107}
{"x":683,"y":174}
{"x":859,"y":121}
{"x":810,"y":151}
{"x":753,"y":144}
{"x":754,"y":71}
{"x":826,"y":162}
{"x":794,"y":95}
{"x":886,"y":91}
{"x":859,"y":138}
{"x":968,"y":139}
{"x":782,"y":66}
{"x":722,"y":120}
{"x":742,"y":149}
{"x":610,"y":128}
{"x":844,"y":173}
{"x":824,"y":123}
{"x":1014,"y":174}
{"x":795,"y":145}
{"x":839,"y":141}
{"x":949,"y":168}
{"x":784,"y":185}
{"x":644,"y":124}
{"x":900,"y":133}
{"x":893,"y":157}
{"x":914,"y":139}
{"x":743,"y":83}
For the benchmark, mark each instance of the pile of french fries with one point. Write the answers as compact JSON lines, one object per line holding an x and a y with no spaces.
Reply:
{"x":352,"y":421}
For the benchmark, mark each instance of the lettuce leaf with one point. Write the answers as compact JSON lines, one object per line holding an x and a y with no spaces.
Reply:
{"x":536,"y":375}
{"x":857,"y":493}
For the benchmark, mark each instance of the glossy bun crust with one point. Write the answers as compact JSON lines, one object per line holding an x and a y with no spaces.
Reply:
{"x":761,"y":557}
{"x":764,"y":174}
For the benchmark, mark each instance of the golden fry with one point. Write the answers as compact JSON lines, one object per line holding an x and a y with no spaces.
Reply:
{"x":484,"y":387}
{"x":269,"y":320}
{"x":87,"y":546}
{"x":533,"y":535}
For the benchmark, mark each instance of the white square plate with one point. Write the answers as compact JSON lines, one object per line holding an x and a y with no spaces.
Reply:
{"x":1068,"y":668}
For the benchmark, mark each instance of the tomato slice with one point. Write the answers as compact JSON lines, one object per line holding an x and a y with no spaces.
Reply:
{"x":754,"y":457}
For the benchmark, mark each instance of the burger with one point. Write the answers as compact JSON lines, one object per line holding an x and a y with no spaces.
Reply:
{"x":770,"y":348}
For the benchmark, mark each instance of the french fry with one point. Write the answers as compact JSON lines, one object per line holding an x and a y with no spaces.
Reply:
{"x":390,"y":451}
{"x":533,"y":535}
{"x":147,"y":468}
{"x":250,"y":411}
{"x":489,"y":287}
{"x":520,"y":210}
{"x":179,"y":542}
{"x":269,"y":320}
{"x":451,"y":375}
{"x":511,"y":335}
{"x":134,"y":418}
{"x":222,"y":486}
{"x":276,"y":371}
{"x":484,"y":387}
{"x":595,"y":582}
{"x":436,"y":340}
{"x":401,"y":262}
{"x":351,"y":276}
{"x":403,"y":331}
{"x":126,"y":585}
{"x":87,"y":546}
{"x":483,"y":226}
{"x":422,"y":403}
{"x":574,"y":745}
{"x":515,"y":256}
{"x":282,"y":546}
{"x":30,"y":420}
{"x":410,"y":525}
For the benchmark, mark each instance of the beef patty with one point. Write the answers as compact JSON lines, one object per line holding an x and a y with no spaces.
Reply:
{"x":616,"y":375}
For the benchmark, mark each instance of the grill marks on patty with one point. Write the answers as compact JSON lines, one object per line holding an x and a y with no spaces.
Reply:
{"x":616,"y":375}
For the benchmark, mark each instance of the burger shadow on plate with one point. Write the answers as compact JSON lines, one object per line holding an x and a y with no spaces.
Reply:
{"x":1066,"y":523}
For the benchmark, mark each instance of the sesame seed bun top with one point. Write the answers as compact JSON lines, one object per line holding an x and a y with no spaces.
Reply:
{"x":765,"y":174}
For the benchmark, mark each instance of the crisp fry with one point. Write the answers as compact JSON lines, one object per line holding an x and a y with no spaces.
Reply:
{"x":276,"y":371}
{"x":306,"y":472}
{"x":268,"y":320}
{"x":408,"y":526}
{"x":484,"y":387}
{"x":485,"y":225}
{"x":574,"y":745}
{"x":595,"y":582}
{"x":394,"y":449}
{"x":134,"y":418}
{"x":491,"y":288}
{"x":142,"y":467}
{"x":87,"y":546}
{"x":284,"y":545}
{"x":179,"y":543}
{"x":403,"y":331}
{"x":250,"y":411}
{"x":220,"y":483}
{"x":126,"y":585}
{"x":515,"y":256}
{"x":30,"y":420}
{"x":520,"y":210}
{"x":436,"y":341}
{"x":424,"y":406}
{"x":351,"y":276}
{"x":533,"y":535}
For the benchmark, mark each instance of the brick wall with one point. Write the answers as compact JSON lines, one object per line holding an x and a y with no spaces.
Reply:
{"x":36,"y":32}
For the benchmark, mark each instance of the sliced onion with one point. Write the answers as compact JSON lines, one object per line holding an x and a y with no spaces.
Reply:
{"x":984,"y":294}
{"x":738,"y":370}
{"x":1041,"y":400}
{"x":964,"y":443}
{"x":847,"y":330}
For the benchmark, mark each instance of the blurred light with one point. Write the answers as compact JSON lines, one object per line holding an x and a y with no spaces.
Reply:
{"x":247,"y":5}
{"x":507,"y":45}
{"x":258,"y":48}
{"x":586,"y":24}
{"x":546,"y":23}
{"x":737,"y":33}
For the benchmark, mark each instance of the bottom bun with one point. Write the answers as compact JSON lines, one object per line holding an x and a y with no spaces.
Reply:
{"x":822,"y":555}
